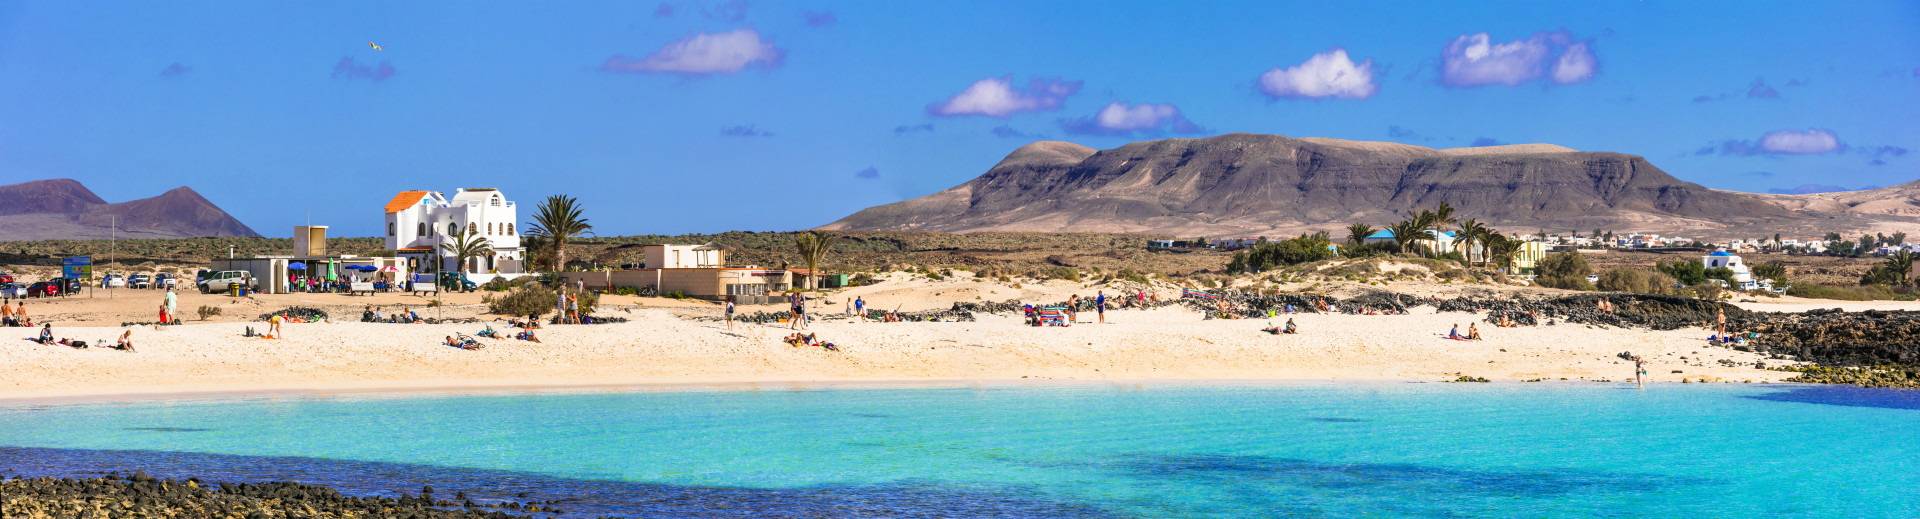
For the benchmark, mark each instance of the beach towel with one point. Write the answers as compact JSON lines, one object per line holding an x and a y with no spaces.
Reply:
{"x":1053,"y":315}
{"x":1188,"y":292}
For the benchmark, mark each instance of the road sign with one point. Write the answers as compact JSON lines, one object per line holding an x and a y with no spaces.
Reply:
{"x":77,"y":267}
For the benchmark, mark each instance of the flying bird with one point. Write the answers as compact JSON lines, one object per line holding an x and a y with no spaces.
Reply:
{"x":374,"y":45}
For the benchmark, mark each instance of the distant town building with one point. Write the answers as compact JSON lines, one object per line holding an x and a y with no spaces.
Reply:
{"x":1741,"y":276}
{"x":419,"y":222}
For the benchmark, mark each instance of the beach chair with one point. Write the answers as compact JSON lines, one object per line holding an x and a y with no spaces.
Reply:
{"x":1053,"y":316}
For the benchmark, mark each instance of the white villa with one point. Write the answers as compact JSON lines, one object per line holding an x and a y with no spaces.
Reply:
{"x":1741,"y":276}
{"x":418,"y":222}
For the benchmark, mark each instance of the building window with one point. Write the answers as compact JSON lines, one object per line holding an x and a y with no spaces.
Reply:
{"x":453,"y":229}
{"x":473,"y":228}
{"x":489,"y":229}
{"x":510,"y":230}
{"x":496,"y":201}
{"x":423,"y":229}
{"x":390,"y":227}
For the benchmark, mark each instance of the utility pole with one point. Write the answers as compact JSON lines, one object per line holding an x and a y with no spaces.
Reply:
{"x":113,"y":241}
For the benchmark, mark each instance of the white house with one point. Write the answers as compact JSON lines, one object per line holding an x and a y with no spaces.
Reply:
{"x":419,"y":222}
{"x":1741,"y":276}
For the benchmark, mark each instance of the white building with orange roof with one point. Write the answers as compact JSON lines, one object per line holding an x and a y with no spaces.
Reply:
{"x":419,"y":222}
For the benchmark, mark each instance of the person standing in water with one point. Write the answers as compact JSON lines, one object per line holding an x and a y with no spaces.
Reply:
{"x":1639,"y":372}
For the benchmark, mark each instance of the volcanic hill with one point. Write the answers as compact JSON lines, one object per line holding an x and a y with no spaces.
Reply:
{"x":1247,"y":184}
{"x":64,"y":209}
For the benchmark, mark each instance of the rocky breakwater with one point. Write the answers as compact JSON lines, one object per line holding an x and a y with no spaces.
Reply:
{"x":140,"y":495}
{"x":1872,"y":348}
{"x":1651,"y":311}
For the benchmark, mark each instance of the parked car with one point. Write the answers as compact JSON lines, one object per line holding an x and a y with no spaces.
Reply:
{"x":12,"y":290}
{"x":113,"y":281}
{"x":1593,"y":279}
{"x":69,"y":286}
{"x":6,"y":278}
{"x":226,"y":279}
{"x":164,"y":280}
{"x":44,"y":289}
{"x":139,"y":281}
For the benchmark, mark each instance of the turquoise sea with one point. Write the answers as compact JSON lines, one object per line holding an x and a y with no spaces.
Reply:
{"x":1153,"y":449}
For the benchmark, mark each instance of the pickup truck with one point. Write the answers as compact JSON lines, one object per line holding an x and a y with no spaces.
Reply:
{"x":113,"y":281}
{"x":139,"y":281}
{"x":164,"y":280}
{"x":223,"y":280}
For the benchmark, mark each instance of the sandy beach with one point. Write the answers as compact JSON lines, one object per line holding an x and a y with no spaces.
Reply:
{"x":678,"y":341}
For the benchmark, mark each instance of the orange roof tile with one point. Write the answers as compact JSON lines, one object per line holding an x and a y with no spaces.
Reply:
{"x":405,"y":200}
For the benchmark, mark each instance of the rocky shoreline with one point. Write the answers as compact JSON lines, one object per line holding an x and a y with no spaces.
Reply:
{"x":140,"y":495}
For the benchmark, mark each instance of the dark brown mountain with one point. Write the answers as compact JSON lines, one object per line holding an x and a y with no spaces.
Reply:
{"x":64,"y":209}
{"x":1246,"y":185}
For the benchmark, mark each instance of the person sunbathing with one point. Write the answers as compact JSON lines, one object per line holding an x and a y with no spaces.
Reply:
{"x":526,"y":336}
{"x":1290,"y":328}
{"x":1506,"y":321}
{"x":489,"y":333}
{"x":1473,"y":332}
{"x":451,"y":342}
{"x":1455,"y":333}
{"x":125,"y":342}
{"x":46,"y":335}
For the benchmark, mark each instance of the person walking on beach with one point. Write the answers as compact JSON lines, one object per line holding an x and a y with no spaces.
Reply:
{"x":6,"y":314}
{"x":799,"y":312}
{"x":729,"y":312}
{"x":1720,"y":323}
{"x":573,"y":307}
{"x":1100,"y":305}
{"x":172,"y":302}
{"x":860,"y":307}
{"x":560,"y":304}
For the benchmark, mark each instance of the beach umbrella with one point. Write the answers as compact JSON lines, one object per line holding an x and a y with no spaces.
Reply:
{"x":297,"y":265}
{"x":331,"y":276}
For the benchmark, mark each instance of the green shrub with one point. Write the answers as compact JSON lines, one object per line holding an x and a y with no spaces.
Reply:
{"x":433,"y":304}
{"x":1566,"y":270}
{"x":527,"y":299}
{"x":1625,"y":280}
{"x":1066,"y":273}
{"x":208,"y":311}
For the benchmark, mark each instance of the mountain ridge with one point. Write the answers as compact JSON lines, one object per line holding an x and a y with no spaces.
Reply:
{"x":1250,"y":184}
{"x":66,"y":209}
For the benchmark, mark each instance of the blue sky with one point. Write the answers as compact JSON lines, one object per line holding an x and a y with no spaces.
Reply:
{"x":756,"y":115}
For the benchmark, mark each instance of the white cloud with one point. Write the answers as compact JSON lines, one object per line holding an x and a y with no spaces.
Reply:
{"x":1577,"y":63}
{"x":1327,"y":74}
{"x":1121,"y":118}
{"x":1814,"y":140}
{"x":704,"y":53}
{"x":1474,"y":60}
{"x":996,"y":97}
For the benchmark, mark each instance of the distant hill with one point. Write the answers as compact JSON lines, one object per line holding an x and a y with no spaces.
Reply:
{"x":1248,"y":185}
{"x":64,"y":209}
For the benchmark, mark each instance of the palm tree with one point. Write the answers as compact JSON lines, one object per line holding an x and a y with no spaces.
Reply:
{"x":556,"y":221}
{"x":468,"y":245}
{"x":1471,"y":232}
{"x":1443,"y":216}
{"x":1500,"y":250}
{"x":1901,"y":264}
{"x":813,"y":246}
{"x":1406,"y":232}
{"x":1357,"y":234}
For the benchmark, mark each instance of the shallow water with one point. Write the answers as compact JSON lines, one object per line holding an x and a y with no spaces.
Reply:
{"x":1088,"y":450}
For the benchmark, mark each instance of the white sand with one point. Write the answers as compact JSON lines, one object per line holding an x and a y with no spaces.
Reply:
{"x":663,"y":345}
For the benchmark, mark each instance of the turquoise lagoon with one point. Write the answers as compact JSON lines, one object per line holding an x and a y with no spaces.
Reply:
{"x":1152,"y":449}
